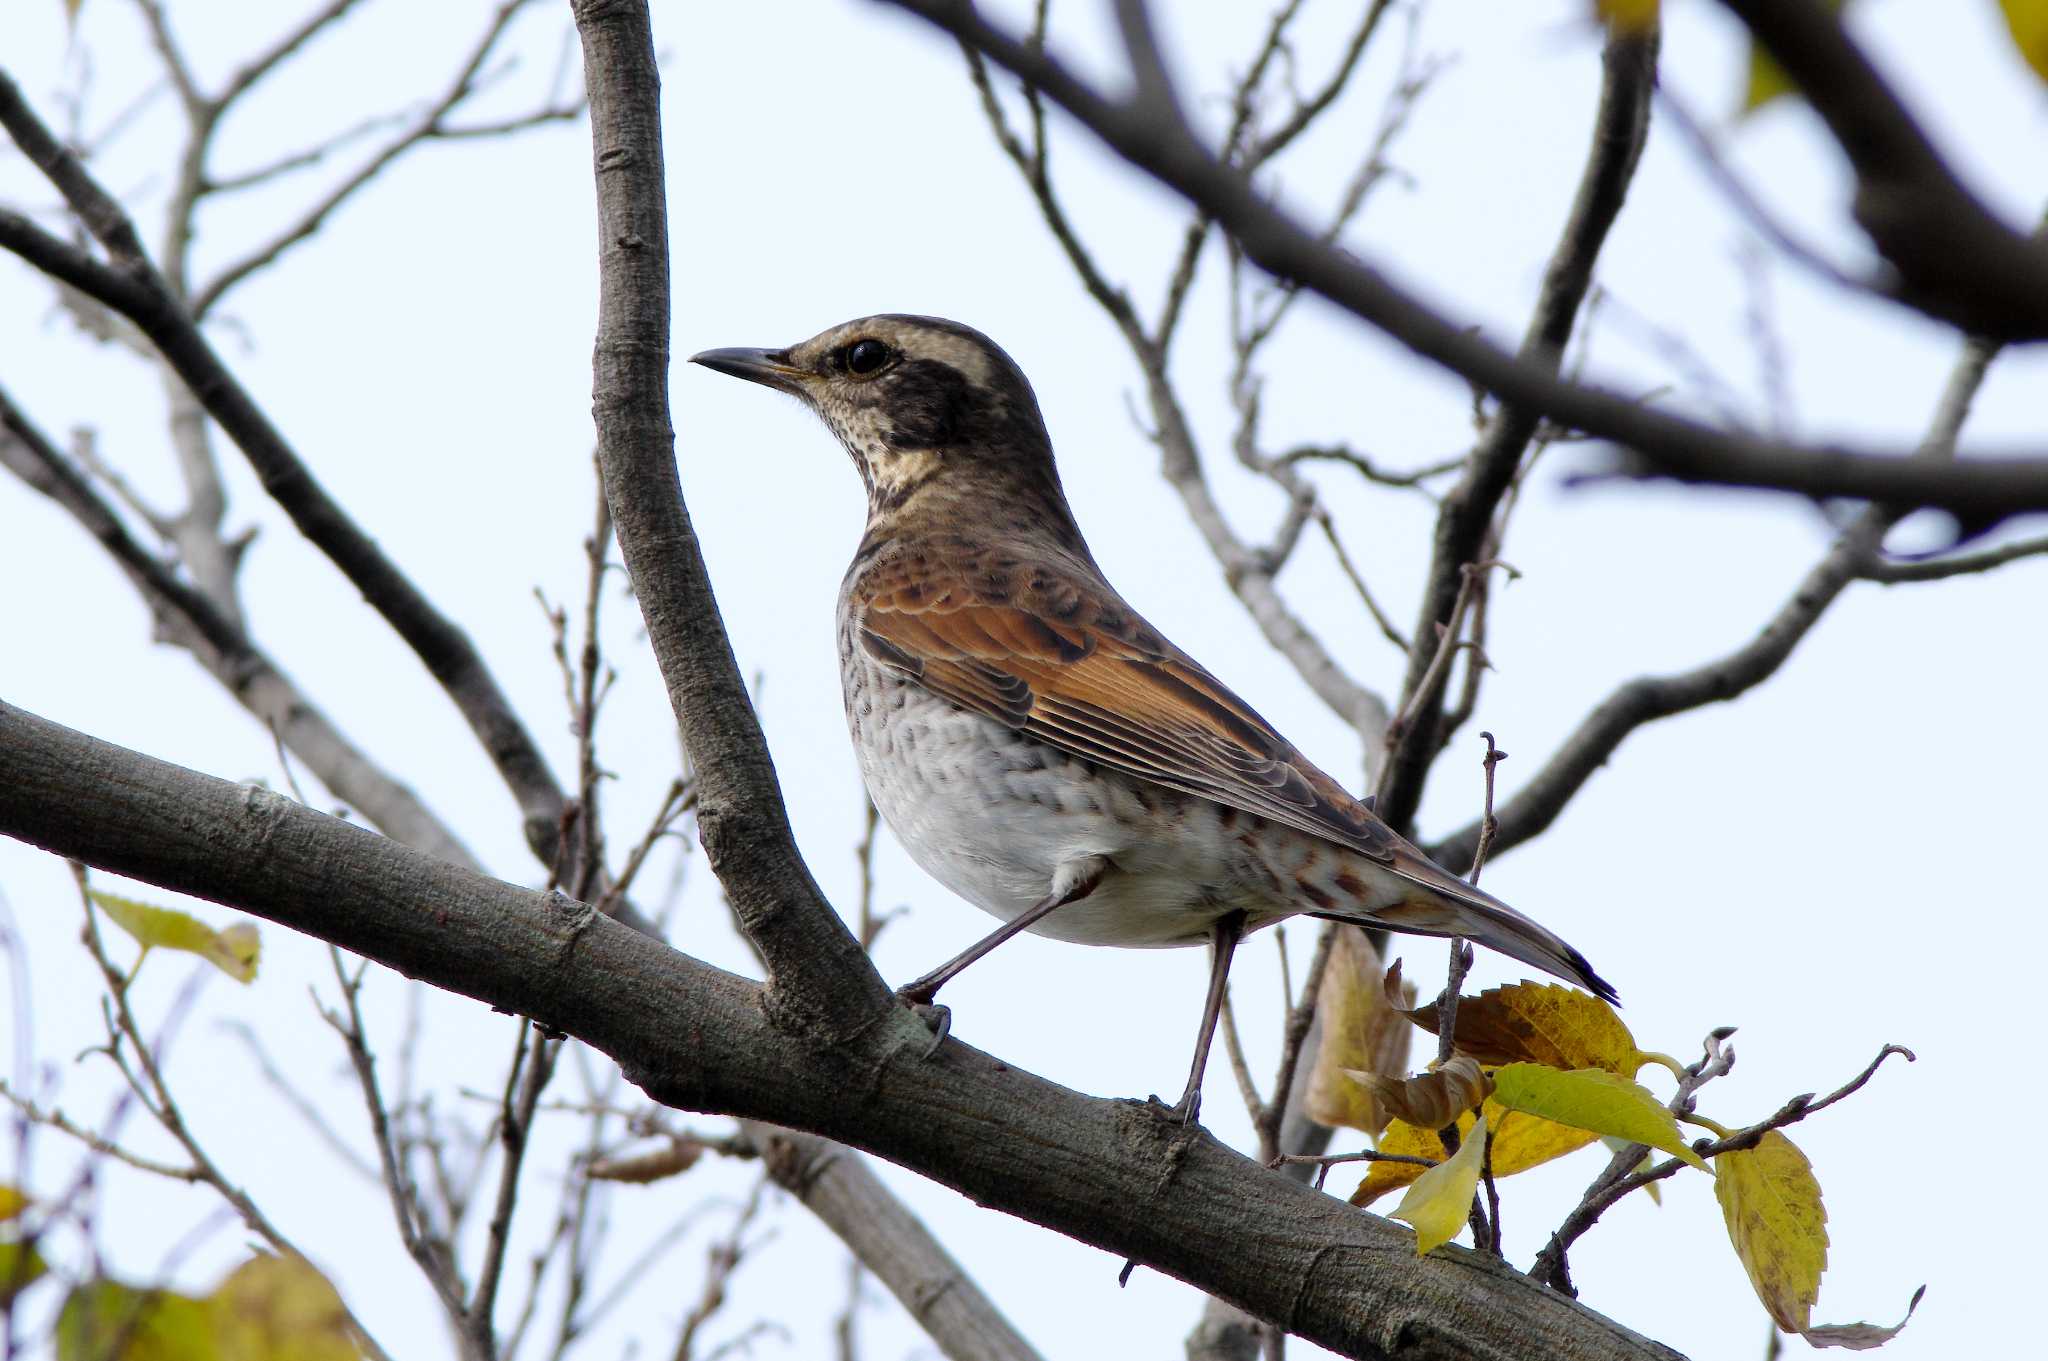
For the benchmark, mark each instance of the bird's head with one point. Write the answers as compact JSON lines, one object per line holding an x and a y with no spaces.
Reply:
{"x":929,"y":410}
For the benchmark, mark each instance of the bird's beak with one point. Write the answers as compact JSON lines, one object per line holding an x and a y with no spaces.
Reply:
{"x":768,"y":367}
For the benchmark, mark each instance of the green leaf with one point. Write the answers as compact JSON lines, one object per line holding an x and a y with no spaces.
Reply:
{"x":1440,"y":1201}
{"x":234,"y":951}
{"x":1779,"y":1227}
{"x":13,"y":1200}
{"x":2027,"y":20}
{"x":1594,"y":1099}
{"x":20,"y":1267}
{"x":106,"y":1321}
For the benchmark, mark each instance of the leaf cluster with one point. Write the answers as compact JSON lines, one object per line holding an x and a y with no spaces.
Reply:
{"x":1538,"y":1071}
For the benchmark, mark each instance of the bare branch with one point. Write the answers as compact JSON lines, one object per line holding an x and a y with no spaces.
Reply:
{"x":309,"y":1115}
{"x":1955,"y":259}
{"x":431,"y":1252}
{"x":1891,"y":572}
{"x":699,"y":1038}
{"x":52,"y":1118}
{"x":429,"y":125}
{"x":134,"y":288}
{"x":281,"y":51}
{"x":836,"y":1184}
{"x":302,"y":159}
{"x":1620,"y":128}
{"x":146,"y":1079}
{"x":1981,"y":491}
{"x":1380,"y":618}
{"x":1649,"y":698}
{"x":1618,"y":1180}
{"x":533,"y":1065}
{"x":1747,"y":203}
{"x":168,"y":52}
{"x":1248,"y":572}
{"x":222,"y":646}
{"x":817,"y":969}
{"x":724,"y":1259}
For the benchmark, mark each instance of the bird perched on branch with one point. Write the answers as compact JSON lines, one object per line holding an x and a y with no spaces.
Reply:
{"x":1036,"y":745}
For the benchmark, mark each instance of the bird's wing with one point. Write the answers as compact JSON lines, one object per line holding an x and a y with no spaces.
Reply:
{"x":1062,"y":658}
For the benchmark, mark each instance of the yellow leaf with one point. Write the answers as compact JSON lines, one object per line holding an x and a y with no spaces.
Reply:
{"x":1432,"y":1100}
{"x":1545,"y":1023}
{"x":1594,"y":1099}
{"x":1520,"y":1142}
{"x":1440,"y":1201}
{"x":1627,"y":14}
{"x":1360,"y":1031}
{"x":106,"y":1321}
{"x":13,"y":1200}
{"x":280,"y":1309}
{"x":234,"y":951}
{"x":21,"y":1266}
{"x":1778,"y":1225}
{"x":2028,"y":21}
{"x":1862,"y":1337}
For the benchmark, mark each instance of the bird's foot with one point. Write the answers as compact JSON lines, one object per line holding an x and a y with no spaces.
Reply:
{"x":938,"y":1019}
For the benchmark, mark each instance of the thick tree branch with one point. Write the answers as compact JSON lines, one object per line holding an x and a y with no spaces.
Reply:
{"x":1106,"y":1172}
{"x":1980,"y":491}
{"x":817,"y":970}
{"x":1955,"y":259}
{"x":224,"y":648}
{"x":835,"y":1184}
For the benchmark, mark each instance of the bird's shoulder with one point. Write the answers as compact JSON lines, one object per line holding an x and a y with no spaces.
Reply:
{"x":1036,"y":638}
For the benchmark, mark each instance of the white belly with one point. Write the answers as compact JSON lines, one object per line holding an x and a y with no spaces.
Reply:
{"x":993,"y":816}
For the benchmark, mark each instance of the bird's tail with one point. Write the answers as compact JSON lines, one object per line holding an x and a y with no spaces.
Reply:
{"x":1445,"y":905}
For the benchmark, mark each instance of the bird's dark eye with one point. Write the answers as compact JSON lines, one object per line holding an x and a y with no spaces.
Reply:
{"x":865,"y":357}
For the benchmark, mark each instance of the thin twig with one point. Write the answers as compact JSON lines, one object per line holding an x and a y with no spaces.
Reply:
{"x":1240,"y":1067}
{"x":1550,"y":1266}
{"x":1292,"y":1038}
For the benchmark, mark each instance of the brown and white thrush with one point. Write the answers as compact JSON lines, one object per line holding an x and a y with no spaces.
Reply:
{"x":1036,"y":745}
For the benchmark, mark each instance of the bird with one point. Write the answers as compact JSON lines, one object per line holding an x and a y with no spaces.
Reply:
{"x":1038,"y":747}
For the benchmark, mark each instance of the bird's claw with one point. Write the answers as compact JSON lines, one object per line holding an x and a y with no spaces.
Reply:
{"x":936,"y":1017}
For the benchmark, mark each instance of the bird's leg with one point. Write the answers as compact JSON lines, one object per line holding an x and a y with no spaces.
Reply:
{"x":1223,"y":939}
{"x":1071,"y":885}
